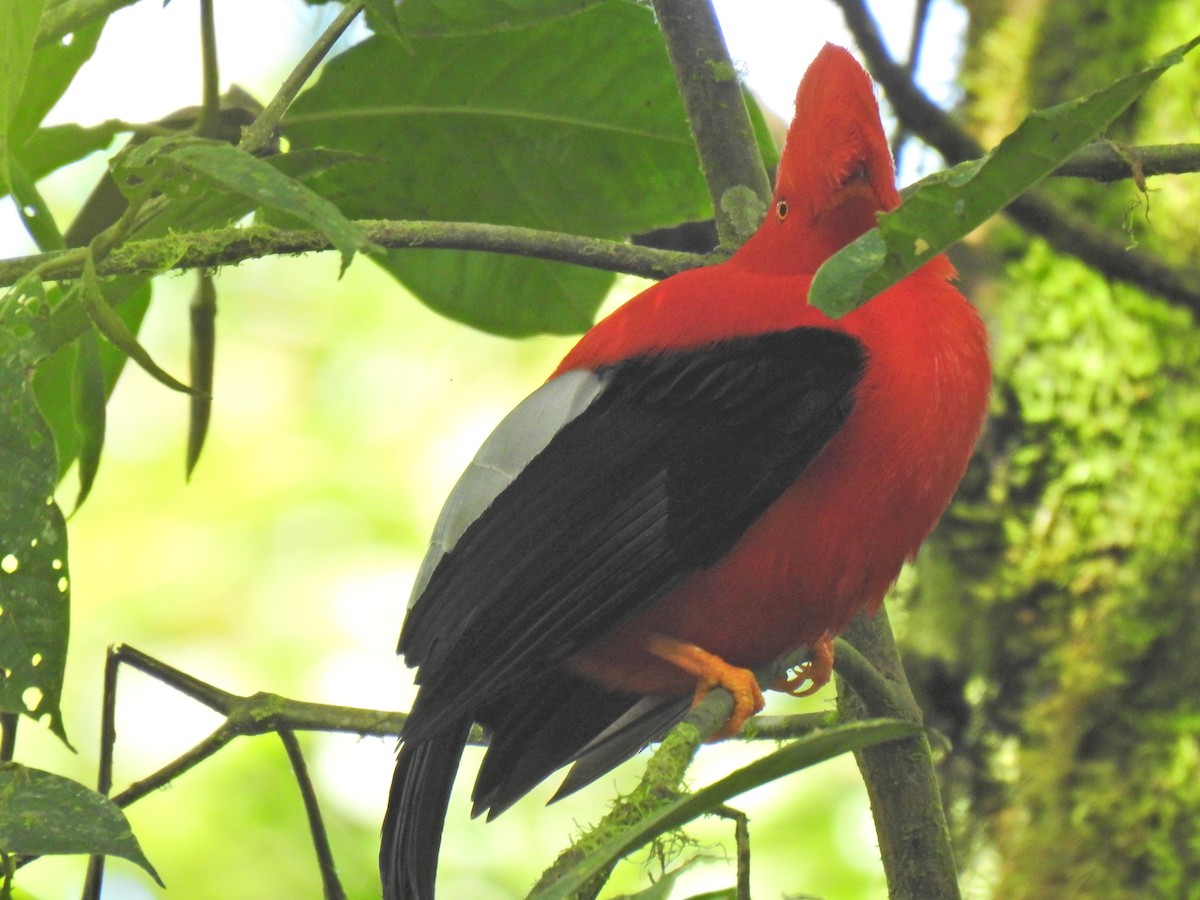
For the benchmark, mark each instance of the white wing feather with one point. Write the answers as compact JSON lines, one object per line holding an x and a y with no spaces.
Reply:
{"x":519,"y":437}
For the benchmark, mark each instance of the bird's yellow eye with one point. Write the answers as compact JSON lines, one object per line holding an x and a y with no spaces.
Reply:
{"x":781,"y":209}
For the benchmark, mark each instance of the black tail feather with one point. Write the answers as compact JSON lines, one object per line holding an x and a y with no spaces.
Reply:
{"x":412,"y":825}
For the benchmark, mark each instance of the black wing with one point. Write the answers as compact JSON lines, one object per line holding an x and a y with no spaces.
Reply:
{"x":658,"y":477}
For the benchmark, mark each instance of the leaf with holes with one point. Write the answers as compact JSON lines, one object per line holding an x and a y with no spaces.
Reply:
{"x":42,"y":813}
{"x":34,"y":586}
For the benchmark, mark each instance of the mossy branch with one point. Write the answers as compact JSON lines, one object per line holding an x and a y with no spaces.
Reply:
{"x":230,"y":246}
{"x":906,"y":800}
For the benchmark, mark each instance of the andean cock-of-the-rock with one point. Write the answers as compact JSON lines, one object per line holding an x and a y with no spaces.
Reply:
{"x":716,"y":474}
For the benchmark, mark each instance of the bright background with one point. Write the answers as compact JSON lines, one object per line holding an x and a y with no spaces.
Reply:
{"x":343,"y":412}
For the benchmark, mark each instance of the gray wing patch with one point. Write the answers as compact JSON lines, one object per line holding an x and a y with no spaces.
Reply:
{"x":519,"y":437}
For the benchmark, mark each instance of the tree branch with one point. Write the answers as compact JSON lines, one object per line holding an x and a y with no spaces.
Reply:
{"x":332,"y":886}
{"x":662,"y":779}
{"x":229,"y":246}
{"x":906,"y":801}
{"x":1067,"y":232}
{"x":262,"y":132}
{"x":712,"y":97}
{"x":1106,"y":162}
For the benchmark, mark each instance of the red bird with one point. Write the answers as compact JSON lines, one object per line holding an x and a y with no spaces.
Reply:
{"x":715,"y":475}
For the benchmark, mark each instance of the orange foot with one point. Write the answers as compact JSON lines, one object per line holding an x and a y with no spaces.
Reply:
{"x":712,"y":671}
{"x":818,"y":670}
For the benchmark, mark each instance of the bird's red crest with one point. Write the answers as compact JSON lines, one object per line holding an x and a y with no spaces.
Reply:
{"x":835,"y":172}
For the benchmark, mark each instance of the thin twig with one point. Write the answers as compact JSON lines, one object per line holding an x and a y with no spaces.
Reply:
{"x":786,"y":728}
{"x":209,"y":123}
{"x":916,"y":43}
{"x":259,"y":134}
{"x":1067,"y":232}
{"x":316,"y":825}
{"x":741,"y":836}
{"x":712,"y":97}
{"x":177,"y":767}
{"x":108,"y":739}
{"x":741,"y":842}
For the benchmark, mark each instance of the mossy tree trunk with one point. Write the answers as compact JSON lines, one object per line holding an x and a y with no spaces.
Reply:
{"x":1053,"y":632}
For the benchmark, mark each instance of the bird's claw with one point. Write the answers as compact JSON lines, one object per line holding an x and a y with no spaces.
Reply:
{"x":817,"y":671}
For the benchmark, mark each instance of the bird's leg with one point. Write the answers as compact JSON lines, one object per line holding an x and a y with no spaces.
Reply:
{"x":818,"y":670}
{"x":710,"y":671}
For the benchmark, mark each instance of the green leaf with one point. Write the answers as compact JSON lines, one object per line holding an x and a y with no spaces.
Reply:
{"x":799,"y":754}
{"x":665,"y":885}
{"x":513,"y":302}
{"x":948,"y":206}
{"x":34,"y":586}
{"x":18,"y":32}
{"x":113,"y":327}
{"x":89,"y":400}
{"x":42,"y":813}
{"x":34,"y":213}
{"x":446,"y":18}
{"x":56,"y":380}
{"x":381,"y":16}
{"x":178,"y":165}
{"x":32,"y":80}
{"x":573,"y":124}
{"x":48,"y":149}
{"x":202,"y":315}
{"x":51,"y":70}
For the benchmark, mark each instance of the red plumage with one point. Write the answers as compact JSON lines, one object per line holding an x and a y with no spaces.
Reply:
{"x":643,"y":591}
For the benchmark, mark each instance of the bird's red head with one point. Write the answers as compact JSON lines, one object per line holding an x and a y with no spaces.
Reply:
{"x":835,"y":173}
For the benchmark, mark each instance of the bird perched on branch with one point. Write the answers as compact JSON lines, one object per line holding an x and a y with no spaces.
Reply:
{"x":715,"y":475}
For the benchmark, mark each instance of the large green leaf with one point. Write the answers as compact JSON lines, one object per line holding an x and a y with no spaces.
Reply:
{"x":42,"y":813}
{"x":52,"y":69}
{"x":440,"y":18}
{"x":18,"y":32}
{"x":34,"y":586}
{"x":573,"y":124}
{"x":950,"y":205}
{"x":799,"y":754}
{"x":31,"y":82}
{"x":48,"y":149}
{"x":62,"y":377}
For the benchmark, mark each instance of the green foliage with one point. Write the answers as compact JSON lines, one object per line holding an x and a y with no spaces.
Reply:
{"x":176,"y":167}
{"x":34,"y":586}
{"x":469,"y":127}
{"x":796,"y":755}
{"x":950,"y":205}
{"x":44,"y":814}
